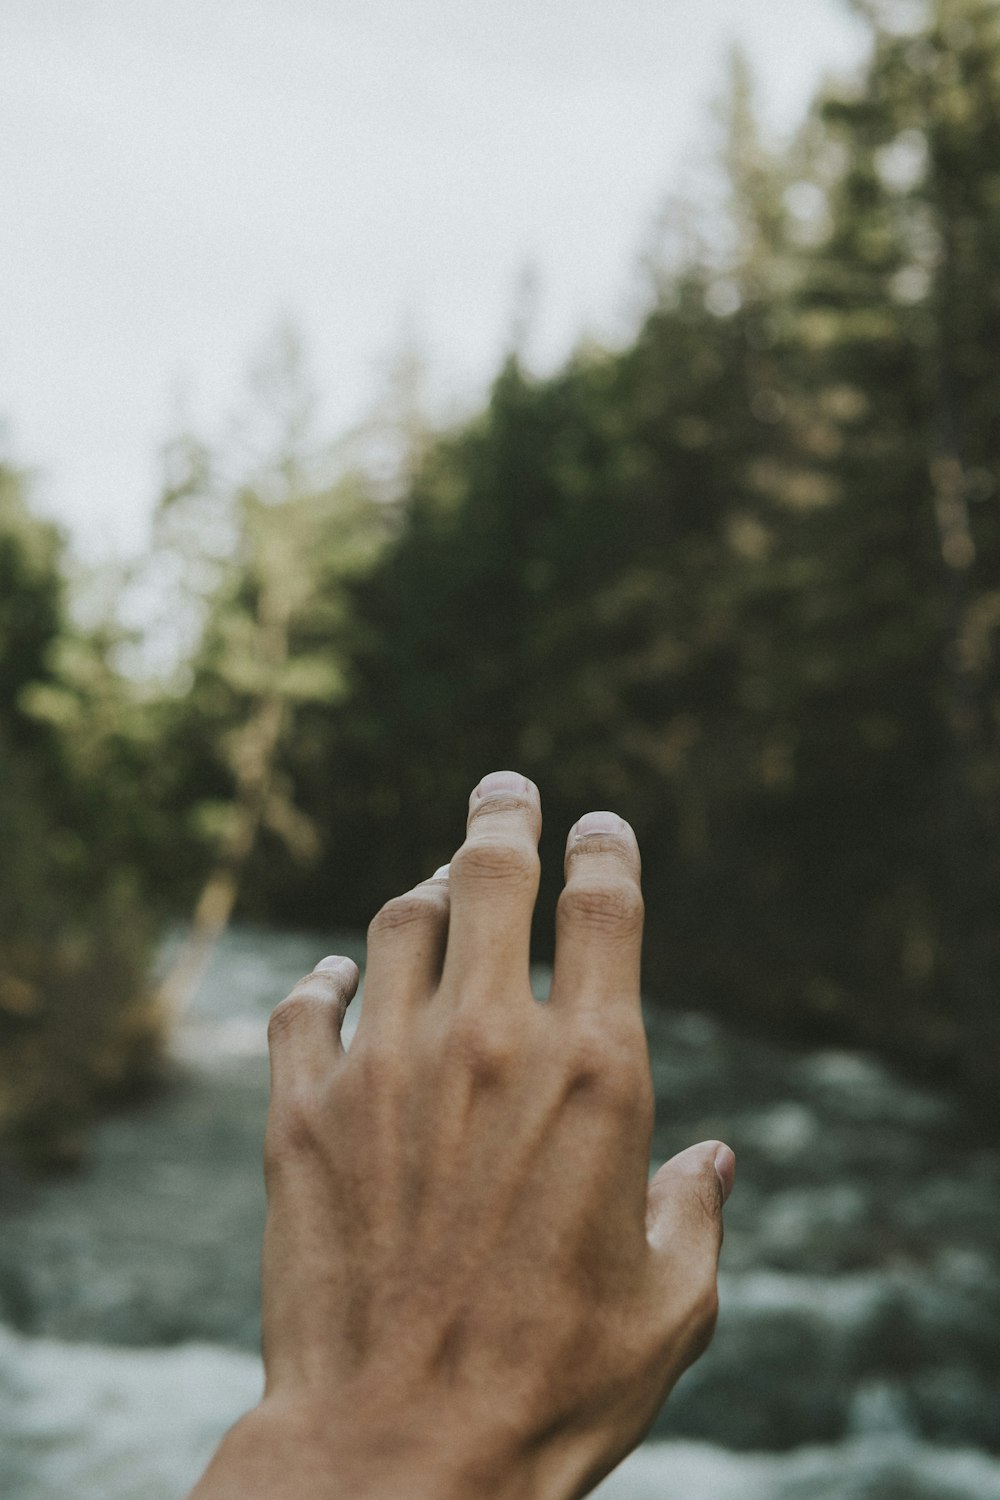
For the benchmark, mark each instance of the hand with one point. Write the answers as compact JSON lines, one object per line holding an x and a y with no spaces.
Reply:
{"x":470,"y":1288}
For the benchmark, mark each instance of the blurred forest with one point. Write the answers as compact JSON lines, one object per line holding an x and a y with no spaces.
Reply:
{"x":739,"y":580}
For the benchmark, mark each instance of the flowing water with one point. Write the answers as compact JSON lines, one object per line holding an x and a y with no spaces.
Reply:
{"x":858,"y":1350}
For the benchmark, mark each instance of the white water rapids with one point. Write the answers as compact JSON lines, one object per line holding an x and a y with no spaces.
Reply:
{"x":858,"y":1350}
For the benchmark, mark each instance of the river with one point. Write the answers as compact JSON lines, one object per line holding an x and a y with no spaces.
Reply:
{"x":858,"y":1350}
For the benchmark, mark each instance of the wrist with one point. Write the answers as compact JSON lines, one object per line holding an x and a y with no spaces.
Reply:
{"x":286,"y":1452}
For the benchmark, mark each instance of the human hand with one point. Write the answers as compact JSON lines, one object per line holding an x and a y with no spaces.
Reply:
{"x":469,"y":1286}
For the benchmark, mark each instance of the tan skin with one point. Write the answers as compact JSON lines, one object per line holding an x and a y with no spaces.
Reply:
{"x":469,"y":1286}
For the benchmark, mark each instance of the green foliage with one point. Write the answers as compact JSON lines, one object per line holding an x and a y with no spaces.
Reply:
{"x":266,"y":531}
{"x":75,"y":1026}
{"x":739,"y":580}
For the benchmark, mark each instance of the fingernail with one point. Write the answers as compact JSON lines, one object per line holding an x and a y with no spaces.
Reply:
{"x":725,"y":1166}
{"x":441,"y":873}
{"x":598,"y":822}
{"x":333,"y":961}
{"x":504,"y":781}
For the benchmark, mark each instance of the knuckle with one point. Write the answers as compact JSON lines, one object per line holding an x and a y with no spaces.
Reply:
{"x":374,"y":1071}
{"x":687,"y":1321}
{"x":496,"y":859}
{"x":587,"y":1059}
{"x":630,"y":1088}
{"x":288,"y":1013}
{"x":709,"y":1197}
{"x":613,"y":907}
{"x":613,"y":1069}
{"x":481,"y":1051}
{"x":404,"y":911}
{"x":294,"y":1130}
{"x":704,"y":1315}
{"x":504,"y":802}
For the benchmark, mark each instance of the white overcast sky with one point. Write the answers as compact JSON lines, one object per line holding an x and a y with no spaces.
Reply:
{"x":177,"y":175}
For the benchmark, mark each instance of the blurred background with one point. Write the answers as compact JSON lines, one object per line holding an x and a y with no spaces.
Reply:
{"x":396,"y":392}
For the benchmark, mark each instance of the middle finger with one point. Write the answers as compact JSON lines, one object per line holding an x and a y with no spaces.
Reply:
{"x":493,"y":883}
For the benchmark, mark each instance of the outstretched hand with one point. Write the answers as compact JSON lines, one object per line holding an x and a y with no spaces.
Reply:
{"x":470,"y":1287}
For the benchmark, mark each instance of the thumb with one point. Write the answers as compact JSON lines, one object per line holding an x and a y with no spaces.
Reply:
{"x":684,"y":1202}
